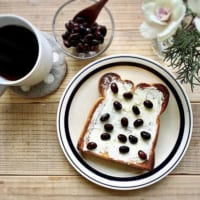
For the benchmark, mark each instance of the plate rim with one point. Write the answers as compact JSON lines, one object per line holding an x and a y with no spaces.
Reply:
{"x":89,"y":68}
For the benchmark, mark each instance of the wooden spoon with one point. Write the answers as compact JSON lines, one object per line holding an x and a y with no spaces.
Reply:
{"x":90,"y":13}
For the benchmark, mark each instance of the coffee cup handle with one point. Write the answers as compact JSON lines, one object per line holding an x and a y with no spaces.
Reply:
{"x":2,"y":89}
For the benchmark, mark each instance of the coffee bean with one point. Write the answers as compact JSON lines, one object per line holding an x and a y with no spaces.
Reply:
{"x":124,"y":121}
{"x":123,"y":149}
{"x":100,"y":38}
{"x":138,"y":122}
{"x":128,"y":95}
{"x":94,"y":48}
{"x":133,"y":139}
{"x":91,"y":145}
{"x":66,"y":43}
{"x":70,"y":25}
{"x":105,"y":136}
{"x":97,"y":33}
{"x":87,"y":37}
{"x":88,"y":30}
{"x":73,"y":39}
{"x":135,"y":110}
{"x":76,"y":28}
{"x":148,"y":104}
{"x":117,"y":105}
{"x":142,"y":155}
{"x":82,"y":47}
{"x":108,"y":127}
{"x":102,"y":30}
{"x":104,"y":117}
{"x":65,"y":35}
{"x":95,"y":42}
{"x":122,"y":138}
{"x":145,"y":135}
{"x":114,"y":88}
{"x":94,"y":27}
{"x":82,"y":29}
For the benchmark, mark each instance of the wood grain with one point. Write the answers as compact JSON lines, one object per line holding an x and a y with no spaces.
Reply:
{"x":75,"y":187}
{"x":30,"y":145}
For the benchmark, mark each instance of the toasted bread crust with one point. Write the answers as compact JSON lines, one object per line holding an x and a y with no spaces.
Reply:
{"x":104,"y":84}
{"x":87,"y":123}
{"x":105,"y":81}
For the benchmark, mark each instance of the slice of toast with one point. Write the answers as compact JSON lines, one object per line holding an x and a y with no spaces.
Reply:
{"x":123,"y":124}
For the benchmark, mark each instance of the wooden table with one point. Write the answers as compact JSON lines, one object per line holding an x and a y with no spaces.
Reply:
{"x":32,"y":164}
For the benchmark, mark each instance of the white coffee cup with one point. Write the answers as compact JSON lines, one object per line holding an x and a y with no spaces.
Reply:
{"x":44,"y":60}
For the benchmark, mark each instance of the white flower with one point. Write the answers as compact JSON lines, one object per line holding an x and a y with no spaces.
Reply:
{"x":197,"y":23}
{"x":162,"y":18}
{"x":194,"y":5}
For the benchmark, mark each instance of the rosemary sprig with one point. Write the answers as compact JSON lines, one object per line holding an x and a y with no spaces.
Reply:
{"x":184,"y":54}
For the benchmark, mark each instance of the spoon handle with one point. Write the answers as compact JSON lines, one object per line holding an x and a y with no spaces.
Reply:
{"x":91,"y":13}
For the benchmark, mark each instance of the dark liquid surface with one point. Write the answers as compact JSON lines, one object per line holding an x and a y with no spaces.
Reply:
{"x":18,"y":51}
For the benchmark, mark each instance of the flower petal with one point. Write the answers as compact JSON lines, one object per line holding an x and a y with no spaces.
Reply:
{"x":149,"y":32}
{"x":169,"y":31}
{"x":197,"y":23}
{"x":162,"y":18}
{"x":149,"y":11}
{"x":178,"y":13}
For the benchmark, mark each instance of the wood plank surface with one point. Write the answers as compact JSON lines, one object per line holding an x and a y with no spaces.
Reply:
{"x":75,"y":187}
{"x":30,"y":145}
{"x":32,"y":164}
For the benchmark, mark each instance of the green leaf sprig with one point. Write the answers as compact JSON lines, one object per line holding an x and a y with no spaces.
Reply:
{"x":184,"y":53}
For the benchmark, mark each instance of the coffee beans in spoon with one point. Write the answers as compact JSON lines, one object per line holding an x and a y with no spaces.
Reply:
{"x":82,"y":36}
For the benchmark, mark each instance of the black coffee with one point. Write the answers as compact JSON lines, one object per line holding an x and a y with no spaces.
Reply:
{"x":18,"y":51}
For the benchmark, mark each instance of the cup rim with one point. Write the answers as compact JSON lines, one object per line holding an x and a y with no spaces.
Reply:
{"x":35,"y":31}
{"x":74,"y":56}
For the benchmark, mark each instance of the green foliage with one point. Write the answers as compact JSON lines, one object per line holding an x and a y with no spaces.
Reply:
{"x":184,"y":53}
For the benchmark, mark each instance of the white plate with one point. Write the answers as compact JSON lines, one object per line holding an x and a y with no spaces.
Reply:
{"x":82,"y":92}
